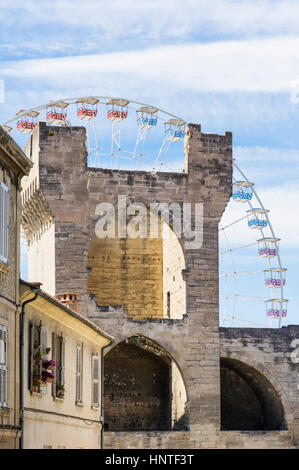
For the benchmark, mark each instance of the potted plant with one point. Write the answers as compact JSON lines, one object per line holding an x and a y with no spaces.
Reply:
{"x":47,"y":377}
{"x":59,"y":390}
{"x":37,"y":356}
{"x":36,"y":382}
{"x":49,"y":365}
{"x":36,"y":379}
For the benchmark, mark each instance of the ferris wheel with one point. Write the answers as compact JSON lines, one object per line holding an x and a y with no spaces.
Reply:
{"x":121,"y":133}
{"x":249,"y":259}
{"x":126,"y":134}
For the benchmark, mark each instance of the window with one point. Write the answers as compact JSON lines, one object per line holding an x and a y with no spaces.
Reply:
{"x":58,"y":357}
{"x":38,"y":352}
{"x":79,"y":373}
{"x":3,"y":222}
{"x":94,"y":380}
{"x":3,"y":366}
{"x":168,"y":304}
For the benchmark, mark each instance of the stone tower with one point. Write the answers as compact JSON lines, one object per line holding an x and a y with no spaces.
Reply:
{"x":157,"y":297}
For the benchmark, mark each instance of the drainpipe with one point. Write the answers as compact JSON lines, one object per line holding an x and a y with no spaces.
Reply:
{"x":102,"y":395}
{"x":35,"y":292}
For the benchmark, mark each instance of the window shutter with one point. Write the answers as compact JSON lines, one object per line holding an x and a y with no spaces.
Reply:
{"x":54,"y":359}
{"x":3,"y":222}
{"x":30,"y":355}
{"x":44,"y":341}
{"x":3,"y":366}
{"x":62,"y":353}
{"x":78,"y":373}
{"x":94,"y":380}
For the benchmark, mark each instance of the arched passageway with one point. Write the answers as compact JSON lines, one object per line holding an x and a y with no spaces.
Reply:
{"x":143,"y":388}
{"x":249,"y":401}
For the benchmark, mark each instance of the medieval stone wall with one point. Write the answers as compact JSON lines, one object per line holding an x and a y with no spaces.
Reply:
{"x":274,"y":354}
{"x":73,"y":192}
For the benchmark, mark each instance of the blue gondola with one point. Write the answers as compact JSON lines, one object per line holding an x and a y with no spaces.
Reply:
{"x":242,"y":191}
{"x":174,"y":130}
{"x":257,"y":218}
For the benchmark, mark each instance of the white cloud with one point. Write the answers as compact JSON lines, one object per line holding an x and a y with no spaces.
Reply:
{"x":221,"y":66}
{"x":158,"y":19}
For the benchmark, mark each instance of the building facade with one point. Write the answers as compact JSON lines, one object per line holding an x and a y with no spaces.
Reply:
{"x":173,"y":378}
{"x":62,"y":375}
{"x":13,"y":166}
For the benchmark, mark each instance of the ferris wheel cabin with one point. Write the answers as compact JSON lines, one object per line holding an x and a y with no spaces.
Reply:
{"x":27,"y":121}
{"x":174,"y":130}
{"x":257,"y":218}
{"x":275,"y":277}
{"x":87,"y":108}
{"x":55,"y":115}
{"x":117,"y":110}
{"x":242,"y":191}
{"x":146,"y":117}
{"x":276,"y":308}
{"x":268,"y":247}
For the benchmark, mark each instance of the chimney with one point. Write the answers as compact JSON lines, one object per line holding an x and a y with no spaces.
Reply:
{"x":68,"y":299}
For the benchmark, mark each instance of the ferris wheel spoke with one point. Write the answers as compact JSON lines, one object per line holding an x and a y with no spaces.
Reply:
{"x":245,"y":297}
{"x":241,"y":320}
{"x":240,"y":273}
{"x":238,"y":248}
{"x":233,"y":223}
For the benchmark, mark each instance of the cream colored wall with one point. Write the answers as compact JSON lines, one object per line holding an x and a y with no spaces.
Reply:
{"x":42,"y":246}
{"x":173,"y":282}
{"x":8,"y":316}
{"x":51,"y":429}
{"x":179,"y":396}
{"x":31,"y":150}
{"x":41,"y":260}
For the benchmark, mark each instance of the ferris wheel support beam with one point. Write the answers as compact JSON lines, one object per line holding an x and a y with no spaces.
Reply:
{"x":245,"y":297}
{"x":241,"y":272}
{"x":273,"y":235}
{"x":238,"y":248}
{"x":235,"y":222}
{"x":246,"y":322}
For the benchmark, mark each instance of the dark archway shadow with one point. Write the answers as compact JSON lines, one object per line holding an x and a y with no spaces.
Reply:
{"x":143,"y":388}
{"x":249,"y":402}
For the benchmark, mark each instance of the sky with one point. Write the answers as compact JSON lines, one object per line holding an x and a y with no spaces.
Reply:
{"x":228,"y":65}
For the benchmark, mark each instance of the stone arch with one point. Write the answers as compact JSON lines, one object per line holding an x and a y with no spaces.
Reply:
{"x":145,"y":276}
{"x":249,"y":401}
{"x":144,"y":389}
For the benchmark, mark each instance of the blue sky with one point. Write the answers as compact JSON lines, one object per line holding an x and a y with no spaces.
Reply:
{"x":229,"y":65}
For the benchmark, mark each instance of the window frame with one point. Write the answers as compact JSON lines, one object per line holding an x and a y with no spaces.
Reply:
{"x":4,"y":222}
{"x":95,"y":381}
{"x":79,"y":373}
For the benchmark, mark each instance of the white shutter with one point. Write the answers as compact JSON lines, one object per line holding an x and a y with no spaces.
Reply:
{"x":62,"y":356}
{"x":3,"y":366}
{"x":44,"y":341}
{"x":94,"y":380}
{"x":54,"y":359}
{"x":78,"y":373}
{"x":3,"y":222}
